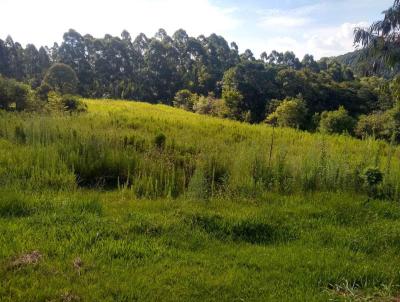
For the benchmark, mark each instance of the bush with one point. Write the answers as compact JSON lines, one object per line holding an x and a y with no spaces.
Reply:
{"x":184,"y":99}
{"x":62,"y":103}
{"x":160,"y":140}
{"x":381,"y":125}
{"x":372,"y":177}
{"x":211,"y":106}
{"x":13,"y":92}
{"x":233,"y":100}
{"x":73,"y":103}
{"x":337,"y":121}
{"x":43,"y":91}
{"x":291,"y":112}
{"x":203,"y":105}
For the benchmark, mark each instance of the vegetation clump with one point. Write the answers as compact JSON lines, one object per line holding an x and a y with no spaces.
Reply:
{"x":291,"y":112}
{"x":338,"y":122}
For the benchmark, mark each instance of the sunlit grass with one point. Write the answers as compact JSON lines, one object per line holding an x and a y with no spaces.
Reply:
{"x":214,"y":214}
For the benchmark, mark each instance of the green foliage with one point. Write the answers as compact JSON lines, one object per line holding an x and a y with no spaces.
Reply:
{"x":378,"y":40}
{"x":14,"y":93}
{"x":337,"y":121}
{"x":291,"y":112}
{"x":62,"y":79}
{"x":160,"y":140}
{"x":64,"y":103}
{"x":184,"y":99}
{"x":372,"y":176}
{"x":395,"y":89}
{"x":210,"y":105}
{"x":233,"y":100}
{"x":204,"y":74}
{"x":73,"y":103}
{"x":381,"y":125}
{"x":247,"y":87}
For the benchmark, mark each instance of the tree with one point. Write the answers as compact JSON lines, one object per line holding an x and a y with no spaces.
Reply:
{"x":292,"y":112}
{"x":255,"y":82}
{"x":73,"y":52}
{"x":14,"y":59}
{"x":380,"y":42}
{"x":337,"y":121}
{"x":309,"y":62}
{"x":247,"y":56}
{"x":62,"y":79}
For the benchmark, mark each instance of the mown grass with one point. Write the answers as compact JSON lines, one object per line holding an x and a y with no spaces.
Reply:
{"x":158,"y":204}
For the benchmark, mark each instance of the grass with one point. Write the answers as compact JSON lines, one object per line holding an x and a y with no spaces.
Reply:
{"x":157,"y":204}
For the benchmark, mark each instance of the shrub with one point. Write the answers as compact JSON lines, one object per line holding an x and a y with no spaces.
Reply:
{"x":203,"y":105}
{"x":184,"y":99}
{"x":160,"y":140}
{"x":211,"y":106}
{"x":61,"y":103}
{"x":291,"y":112}
{"x":233,"y":101}
{"x":337,"y":121}
{"x":381,"y":125}
{"x":372,"y":177}
{"x":72,"y":103}
{"x":43,"y":91}
{"x":13,"y":92}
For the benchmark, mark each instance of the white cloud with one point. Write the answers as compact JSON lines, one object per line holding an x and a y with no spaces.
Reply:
{"x":45,"y":21}
{"x":332,"y":40}
{"x":287,"y":19}
{"x":280,"y":19}
{"x":324,"y":42}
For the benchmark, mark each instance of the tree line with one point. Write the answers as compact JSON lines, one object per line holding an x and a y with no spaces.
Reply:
{"x":206,"y":75}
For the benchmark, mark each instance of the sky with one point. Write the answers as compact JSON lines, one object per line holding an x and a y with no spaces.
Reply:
{"x":318,"y":27}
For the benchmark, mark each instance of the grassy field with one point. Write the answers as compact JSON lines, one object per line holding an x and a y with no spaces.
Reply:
{"x":136,"y":202}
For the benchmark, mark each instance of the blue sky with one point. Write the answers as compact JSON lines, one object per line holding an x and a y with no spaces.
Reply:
{"x":322,"y":28}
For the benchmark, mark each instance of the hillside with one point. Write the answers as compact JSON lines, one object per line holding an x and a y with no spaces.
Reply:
{"x":361,"y":67}
{"x":139,"y":202}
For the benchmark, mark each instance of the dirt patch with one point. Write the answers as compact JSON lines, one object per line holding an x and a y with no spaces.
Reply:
{"x":69,"y":297}
{"x":32,"y":258}
{"x":78,"y":264}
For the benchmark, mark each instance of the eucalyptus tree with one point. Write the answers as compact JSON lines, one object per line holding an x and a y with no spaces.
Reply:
{"x":381,"y":41}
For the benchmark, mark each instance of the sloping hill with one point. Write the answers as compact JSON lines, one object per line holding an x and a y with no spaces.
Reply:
{"x":139,"y":202}
{"x":362,"y":67}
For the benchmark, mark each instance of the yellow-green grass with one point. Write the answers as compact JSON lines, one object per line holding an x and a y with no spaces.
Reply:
{"x":219,"y":211}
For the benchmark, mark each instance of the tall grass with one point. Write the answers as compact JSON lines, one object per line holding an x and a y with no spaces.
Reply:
{"x":157,"y":151}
